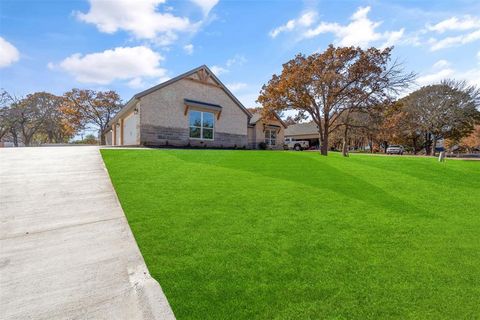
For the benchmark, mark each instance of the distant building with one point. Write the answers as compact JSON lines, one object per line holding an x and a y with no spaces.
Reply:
{"x":304,"y":131}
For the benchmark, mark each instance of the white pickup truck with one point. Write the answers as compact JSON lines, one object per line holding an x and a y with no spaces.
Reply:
{"x":297,"y":145}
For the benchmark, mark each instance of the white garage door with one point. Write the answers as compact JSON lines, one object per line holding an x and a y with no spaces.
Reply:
{"x":130,"y":130}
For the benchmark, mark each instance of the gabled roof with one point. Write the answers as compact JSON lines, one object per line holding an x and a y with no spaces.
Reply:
{"x":257,"y":116}
{"x":302,"y":129}
{"x":139,"y":95}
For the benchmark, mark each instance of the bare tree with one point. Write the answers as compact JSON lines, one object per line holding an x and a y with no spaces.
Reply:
{"x":6,"y":119}
{"x":445,"y":110}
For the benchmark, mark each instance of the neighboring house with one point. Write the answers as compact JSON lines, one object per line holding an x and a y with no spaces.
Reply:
{"x":304,"y":131}
{"x":270,"y":131}
{"x":194,"y":109}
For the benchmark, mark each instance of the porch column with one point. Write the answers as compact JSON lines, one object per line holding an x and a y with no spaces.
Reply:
{"x":121,"y":132}
{"x":114,"y":132}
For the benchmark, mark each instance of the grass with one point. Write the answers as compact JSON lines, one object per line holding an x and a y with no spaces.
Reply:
{"x":285,"y":235}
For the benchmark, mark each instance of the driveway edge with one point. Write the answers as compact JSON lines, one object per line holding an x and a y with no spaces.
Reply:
{"x":149,"y":293}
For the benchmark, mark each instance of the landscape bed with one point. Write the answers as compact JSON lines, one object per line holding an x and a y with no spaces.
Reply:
{"x":295,"y":235}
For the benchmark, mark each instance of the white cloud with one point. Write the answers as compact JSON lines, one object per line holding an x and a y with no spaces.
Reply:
{"x":9,"y":54}
{"x":435,"y":77}
{"x":460,"y":31}
{"x":305,"y":20}
{"x":290,"y":25}
{"x":472,"y":76}
{"x":238,"y":59}
{"x":137,"y":83}
{"x":454,"y":40}
{"x":455,"y":24}
{"x":122,"y":63}
{"x":236,"y":86}
{"x":393,"y":37}
{"x":441,"y":64}
{"x":217,"y":70}
{"x":206,"y":5}
{"x":142,"y":18}
{"x":323,"y":27}
{"x":442,"y":70}
{"x":188,"y":48}
{"x":361,"y":31}
{"x":165,"y":39}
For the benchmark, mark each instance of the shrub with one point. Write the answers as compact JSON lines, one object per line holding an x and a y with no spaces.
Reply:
{"x":262,"y":145}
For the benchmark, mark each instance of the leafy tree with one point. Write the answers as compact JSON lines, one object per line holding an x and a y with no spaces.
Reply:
{"x":89,"y":139}
{"x":58,"y":127}
{"x":36,"y":118}
{"x":445,"y":110}
{"x":325,"y":85}
{"x":472,"y":141}
{"x":31,"y":114}
{"x":6,"y":119}
{"x":468,"y":143}
{"x":297,"y":118}
{"x":92,"y":107}
{"x":254,"y":109}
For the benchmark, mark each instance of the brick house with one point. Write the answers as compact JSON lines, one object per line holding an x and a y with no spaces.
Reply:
{"x":194,"y":109}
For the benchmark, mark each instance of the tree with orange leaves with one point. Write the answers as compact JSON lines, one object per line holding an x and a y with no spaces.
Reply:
{"x":325,"y":85}
{"x":92,"y":107}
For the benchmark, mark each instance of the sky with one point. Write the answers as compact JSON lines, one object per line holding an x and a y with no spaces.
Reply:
{"x":131,"y":45}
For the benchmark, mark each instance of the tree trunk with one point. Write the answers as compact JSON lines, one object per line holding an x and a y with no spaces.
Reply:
{"x":414,"y":142}
{"x":428,"y":145}
{"x":102,"y":139}
{"x":15,"y":137}
{"x":434,"y":144}
{"x":345,"y":144}
{"x":50,"y":137}
{"x":324,"y":146}
{"x":26,"y":140}
{"x":320,"y":140}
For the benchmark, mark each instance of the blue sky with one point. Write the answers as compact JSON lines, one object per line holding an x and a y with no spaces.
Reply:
{"x":129,"y":46}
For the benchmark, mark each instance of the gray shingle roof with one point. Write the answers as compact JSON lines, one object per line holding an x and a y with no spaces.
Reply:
{"x":255,"y":118}
{"x":302,"y":129}
{"x":258,"y":115}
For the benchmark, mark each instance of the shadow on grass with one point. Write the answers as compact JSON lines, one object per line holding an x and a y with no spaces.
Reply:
{"x":428,"y":170}
{"x":308,"y":170}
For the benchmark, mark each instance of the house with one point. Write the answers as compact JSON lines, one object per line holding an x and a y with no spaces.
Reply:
{"x":304,"y":131}
{"x":271,"y":131}
{"x":194,"y":109}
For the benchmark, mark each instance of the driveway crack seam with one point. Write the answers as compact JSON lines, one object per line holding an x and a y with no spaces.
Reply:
{"x":59,"y":228}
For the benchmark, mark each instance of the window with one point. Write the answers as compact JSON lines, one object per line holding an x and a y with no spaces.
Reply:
{"x":270,"y":137}
{"x":201,"y":125}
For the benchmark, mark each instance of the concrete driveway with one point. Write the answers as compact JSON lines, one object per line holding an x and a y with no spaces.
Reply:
{"x":66,"y":250}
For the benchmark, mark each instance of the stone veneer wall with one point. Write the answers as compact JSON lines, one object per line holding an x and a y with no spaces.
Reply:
{"x":179,"y":137}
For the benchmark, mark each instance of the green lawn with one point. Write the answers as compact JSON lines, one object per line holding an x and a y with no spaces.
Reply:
{"x":294,"y":235}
